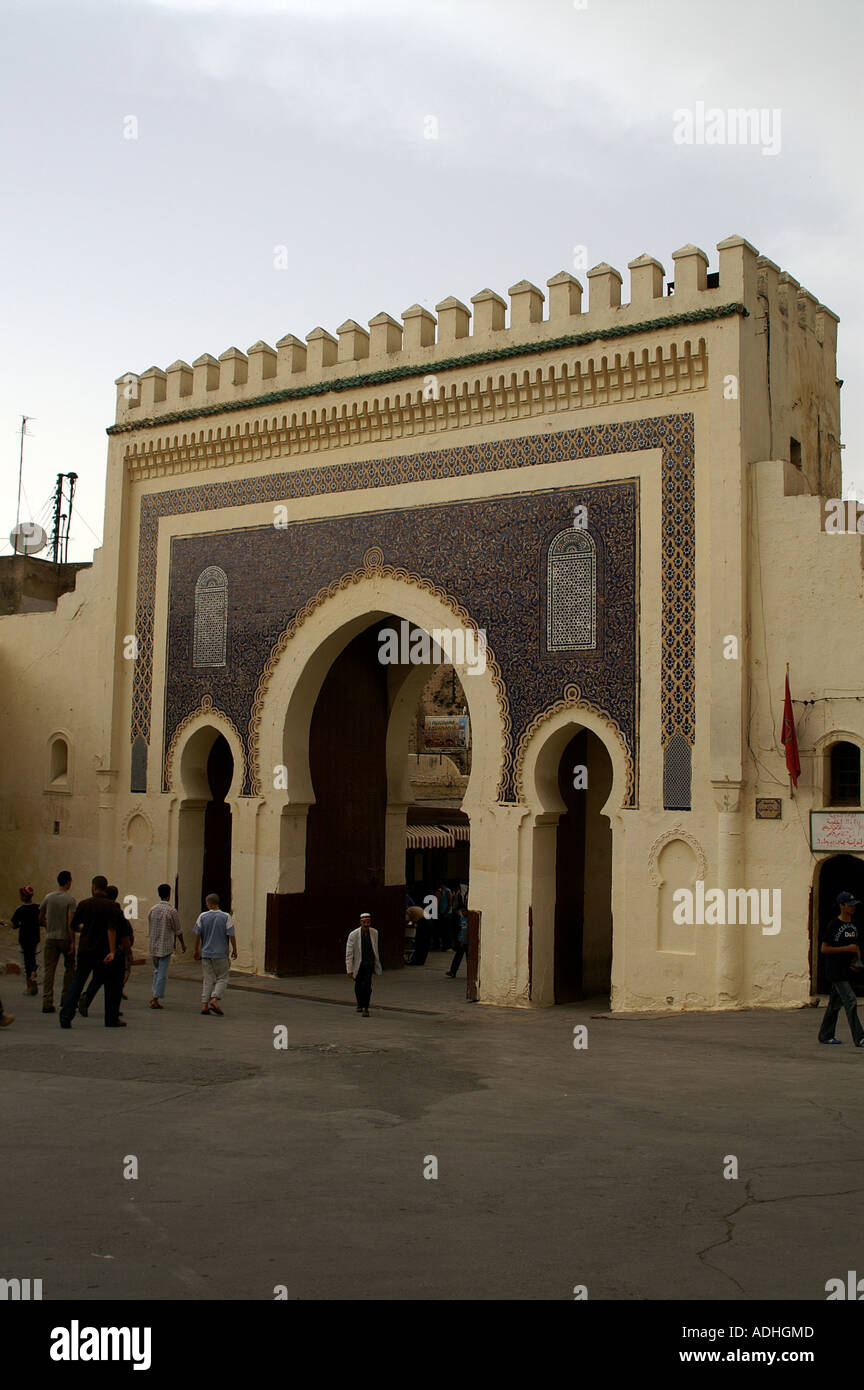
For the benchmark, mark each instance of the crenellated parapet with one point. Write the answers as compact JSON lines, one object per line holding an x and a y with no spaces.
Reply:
{"x":415,"y":350}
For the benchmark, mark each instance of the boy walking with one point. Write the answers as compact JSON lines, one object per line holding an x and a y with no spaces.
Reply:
{"x":214,"y":929}
{"x":843,"y":955}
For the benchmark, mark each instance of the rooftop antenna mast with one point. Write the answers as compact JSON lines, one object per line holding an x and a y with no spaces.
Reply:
{"x":62,"y":520}
{"x":72,"y":479}
{"x":58,"y":502}
{"x":24,"y":419}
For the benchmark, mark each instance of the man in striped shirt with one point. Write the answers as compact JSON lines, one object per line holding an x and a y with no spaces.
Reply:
{"x":163,"y":921}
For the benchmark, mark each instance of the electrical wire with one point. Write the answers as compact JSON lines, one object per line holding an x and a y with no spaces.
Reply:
{"x":83,"y":518}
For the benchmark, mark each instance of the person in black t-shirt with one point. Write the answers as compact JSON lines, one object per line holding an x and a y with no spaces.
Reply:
{"x":100,"y":923}
{"x":125,"y":938}
{"x":26,"y":920}
{"x":839,"y":946}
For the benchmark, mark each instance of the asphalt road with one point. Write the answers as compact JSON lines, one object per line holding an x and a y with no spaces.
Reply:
{"x":304,"y":1166}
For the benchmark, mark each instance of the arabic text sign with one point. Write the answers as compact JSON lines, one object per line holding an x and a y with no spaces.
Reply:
{"x":837,"y":830}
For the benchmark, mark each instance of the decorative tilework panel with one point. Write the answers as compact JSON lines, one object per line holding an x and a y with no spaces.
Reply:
{"x":489,"y":555}
{"x":673,"y":435}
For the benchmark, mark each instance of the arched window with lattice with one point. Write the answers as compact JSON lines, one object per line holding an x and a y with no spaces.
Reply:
{"x":677,"y":774}
{"x":571,"y":593}
{"x":211,"y":618}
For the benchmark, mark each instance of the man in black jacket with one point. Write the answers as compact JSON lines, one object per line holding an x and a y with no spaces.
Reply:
{"x":102,"y":927}
{"x":842,"y":954}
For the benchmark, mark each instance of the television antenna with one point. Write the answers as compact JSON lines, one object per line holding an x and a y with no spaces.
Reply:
{"x":24,"y":420}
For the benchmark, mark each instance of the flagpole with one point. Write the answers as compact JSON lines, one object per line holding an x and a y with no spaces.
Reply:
{"x":791,"y":788}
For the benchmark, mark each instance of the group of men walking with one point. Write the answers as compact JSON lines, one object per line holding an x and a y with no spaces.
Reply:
{"x":102,"y":956}
{"x":94,"y":940}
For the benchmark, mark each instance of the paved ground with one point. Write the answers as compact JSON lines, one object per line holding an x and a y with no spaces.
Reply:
{"x":304,"y":1166}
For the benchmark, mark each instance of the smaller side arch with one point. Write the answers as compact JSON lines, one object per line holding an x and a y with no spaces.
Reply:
{"x":186,"y":759}
{"x":677,"y":867}
{"x":676,"y":833}
{"x":128,"y":841}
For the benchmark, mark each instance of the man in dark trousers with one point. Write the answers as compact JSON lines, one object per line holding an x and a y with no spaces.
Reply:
{"x":100,"y":952}
{"x":842,"y":954}
{"x":125,"y":932}
{"x":361,"y":961}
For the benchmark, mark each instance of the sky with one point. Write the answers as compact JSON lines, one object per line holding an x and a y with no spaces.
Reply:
{"x":158,"y":154}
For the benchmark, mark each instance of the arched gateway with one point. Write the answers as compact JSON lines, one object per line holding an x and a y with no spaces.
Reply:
{"x":333,"y":721}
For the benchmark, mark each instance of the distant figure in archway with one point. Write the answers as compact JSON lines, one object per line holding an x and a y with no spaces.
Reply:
{"x":461,"y":941}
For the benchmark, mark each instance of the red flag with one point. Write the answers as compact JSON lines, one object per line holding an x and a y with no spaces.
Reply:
{"x":790,"y":739}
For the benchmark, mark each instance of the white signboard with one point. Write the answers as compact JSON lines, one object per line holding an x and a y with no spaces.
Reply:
{"x":837,"y":830}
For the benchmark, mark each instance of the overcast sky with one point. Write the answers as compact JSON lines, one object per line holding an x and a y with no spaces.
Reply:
{"x":303,"y":123}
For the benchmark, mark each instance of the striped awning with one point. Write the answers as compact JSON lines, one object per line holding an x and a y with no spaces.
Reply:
{"x":435,"y":836}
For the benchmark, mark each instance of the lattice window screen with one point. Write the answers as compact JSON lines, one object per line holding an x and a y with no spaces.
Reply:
{"x":571,"y":593}
{"x":677,"y":774}
{"x":211,"y":618}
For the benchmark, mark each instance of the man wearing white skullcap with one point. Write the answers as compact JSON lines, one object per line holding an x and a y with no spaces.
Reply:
{"x":362,"y":961}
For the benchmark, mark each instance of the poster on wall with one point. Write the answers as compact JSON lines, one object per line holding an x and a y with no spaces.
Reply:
{"x":837,"y":830}
{"x":445,"y":731}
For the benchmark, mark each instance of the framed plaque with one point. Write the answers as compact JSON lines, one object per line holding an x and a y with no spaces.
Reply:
{"x":769,"y":808}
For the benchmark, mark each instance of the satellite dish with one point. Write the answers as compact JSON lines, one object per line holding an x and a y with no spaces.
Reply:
{"x":27,"y":538}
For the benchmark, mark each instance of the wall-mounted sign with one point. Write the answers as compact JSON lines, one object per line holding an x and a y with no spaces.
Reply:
{"x":443,"y":731}
{"x":837,"y":830}
{"x":769,"y":808}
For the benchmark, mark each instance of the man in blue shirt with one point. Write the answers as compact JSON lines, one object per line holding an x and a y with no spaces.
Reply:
{"x":214,"y":929}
